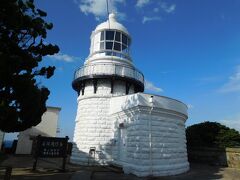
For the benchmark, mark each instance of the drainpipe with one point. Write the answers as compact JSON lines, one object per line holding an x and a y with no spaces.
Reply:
{"x":150,"y":134}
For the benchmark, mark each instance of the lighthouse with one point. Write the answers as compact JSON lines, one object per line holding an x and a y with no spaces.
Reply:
{"x":116,"y":123}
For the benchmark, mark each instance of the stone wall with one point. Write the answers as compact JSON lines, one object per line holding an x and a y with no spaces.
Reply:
{"x":93,"y":126}
{"x":167,"y":153}
{"x":156,"y":141}
{"x":214,"y":156}
{"x":144,"y":138}
{"x":92,"y":129}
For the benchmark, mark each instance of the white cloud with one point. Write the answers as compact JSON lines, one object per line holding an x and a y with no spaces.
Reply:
{"x":141,"y":3}
{"x":167,"y":8}
{"x":99,"y":7}
{"x":147,"y":19}
{"x":160,"y":5}
{"x":190,"y":106}
{"x":233,"y":84}
{"x":63,"y":57}
{"x":151,"y":87}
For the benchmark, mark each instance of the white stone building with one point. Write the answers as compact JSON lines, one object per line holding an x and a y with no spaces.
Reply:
{"x":47,"y":127}
{"x":118,"y":124}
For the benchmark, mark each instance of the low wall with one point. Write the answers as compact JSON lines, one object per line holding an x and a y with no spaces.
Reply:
{"x":224,"y":157}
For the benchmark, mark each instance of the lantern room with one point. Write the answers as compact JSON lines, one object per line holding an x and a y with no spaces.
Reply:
{"x":110,"y":39}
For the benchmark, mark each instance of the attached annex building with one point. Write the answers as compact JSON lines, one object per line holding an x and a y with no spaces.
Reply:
{"x":47,"y":127}
{"x":116,"y":123}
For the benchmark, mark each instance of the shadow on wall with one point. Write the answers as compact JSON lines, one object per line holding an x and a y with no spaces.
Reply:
{"x":197,"y":171}
{"x":210,"y":156}
{"x":106,"y":153}
{"x":226,"y":157}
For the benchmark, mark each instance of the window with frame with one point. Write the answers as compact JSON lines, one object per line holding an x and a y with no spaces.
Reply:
{"x":114,"y":40}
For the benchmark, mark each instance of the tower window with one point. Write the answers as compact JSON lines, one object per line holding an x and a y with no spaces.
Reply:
{"x":109,"y":45}
{"x":117,"y":46}
{"x":117,"y":36}
{"x":124,"y":39}
{"x":115,"y":41}
{"x":109,"y":35}
{"x":124,"y":47}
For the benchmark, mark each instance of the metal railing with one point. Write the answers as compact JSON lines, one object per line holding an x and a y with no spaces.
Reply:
{"x":109,"y":69}
{"x":111,"y":53}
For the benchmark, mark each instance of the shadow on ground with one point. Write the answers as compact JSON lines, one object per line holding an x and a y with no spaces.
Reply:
{"x":49,"y":169}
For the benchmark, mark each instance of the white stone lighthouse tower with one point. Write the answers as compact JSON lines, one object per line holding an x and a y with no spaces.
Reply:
{"x":118,"y":124}
{"x":107,"y":72}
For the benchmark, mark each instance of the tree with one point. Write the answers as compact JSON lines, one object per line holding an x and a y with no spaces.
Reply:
{"x":212,"y":134}
{"x":22,"y":34}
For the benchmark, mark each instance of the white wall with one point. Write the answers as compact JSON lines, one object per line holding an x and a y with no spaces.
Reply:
{"x":93,"y":126}
{"x":47,"y":127}
{"x":155,"y":134}
{"x":140,"y":99}
{"x":98,"y":124}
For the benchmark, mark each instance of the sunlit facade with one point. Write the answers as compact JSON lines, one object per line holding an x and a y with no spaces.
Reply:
{"x":116,"y":123}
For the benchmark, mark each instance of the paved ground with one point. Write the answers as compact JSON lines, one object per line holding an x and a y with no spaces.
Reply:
{"x":49,"y":169}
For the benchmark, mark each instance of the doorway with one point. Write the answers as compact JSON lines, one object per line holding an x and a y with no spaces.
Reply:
{"x":122,"y":148}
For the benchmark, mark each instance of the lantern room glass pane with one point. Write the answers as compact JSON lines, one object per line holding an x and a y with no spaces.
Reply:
{"x":109,"y":45}
{"x":102,"y":35}
{"x":109,"y":35}
{"x":129,"y":42}
{"x":117,"y":36}
{"x":108,"y":53}
{"x":124,"y":49}
{"x":124,"y":39}
{"x":117,"y":46}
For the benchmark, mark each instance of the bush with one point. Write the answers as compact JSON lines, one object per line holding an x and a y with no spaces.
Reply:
{"x":212,"y":134}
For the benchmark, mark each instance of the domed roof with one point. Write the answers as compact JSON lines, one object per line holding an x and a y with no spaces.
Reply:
{"x":111,"y":23}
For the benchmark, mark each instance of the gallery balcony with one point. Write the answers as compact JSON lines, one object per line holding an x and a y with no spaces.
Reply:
{"x":108,"y":71}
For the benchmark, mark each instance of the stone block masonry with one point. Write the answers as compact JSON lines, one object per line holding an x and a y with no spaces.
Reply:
{"x":154,"y":141}
{"x":115,"y":122}
{"x":93,"y":126}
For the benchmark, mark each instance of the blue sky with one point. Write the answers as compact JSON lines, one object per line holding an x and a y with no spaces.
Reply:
{"x":188,"y":50}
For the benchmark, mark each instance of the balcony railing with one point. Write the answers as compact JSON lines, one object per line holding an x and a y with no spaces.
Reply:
{"x":109,"y":69}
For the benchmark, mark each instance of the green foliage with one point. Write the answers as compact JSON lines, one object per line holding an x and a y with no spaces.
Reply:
{"x":212,"y":134}
{"x":22,"y":47}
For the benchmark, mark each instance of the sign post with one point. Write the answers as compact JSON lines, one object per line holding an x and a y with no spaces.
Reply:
{"x":50,"y":147}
